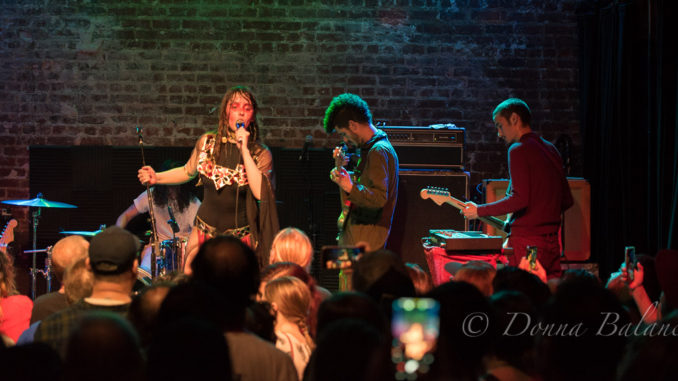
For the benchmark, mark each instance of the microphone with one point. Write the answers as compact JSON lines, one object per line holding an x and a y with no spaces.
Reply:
{"x":172,"y":221}
{"x":212,"y":110}
{"x":238,"y":125}
{"x":140,"y":131}
{"x":307,"y":144}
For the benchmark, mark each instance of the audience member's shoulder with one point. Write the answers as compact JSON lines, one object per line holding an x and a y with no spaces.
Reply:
{"x":19,"y":301}
{"x":251,"y":341}
{"x":50,"y":296}
{"x":47,"y":304}
{"x":323,"y":292}
{"x":60,"y":315}
{"x":254,"y":348}
{"x":255,"y":358}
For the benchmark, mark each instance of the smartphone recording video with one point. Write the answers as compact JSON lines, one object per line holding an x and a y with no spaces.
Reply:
{"x":340,"y":257}
{"x":415,"y":328}
{"x":630,"y":257}
{"x":532,"y":256}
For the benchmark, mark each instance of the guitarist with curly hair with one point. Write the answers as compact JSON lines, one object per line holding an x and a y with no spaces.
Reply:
{"x":369,"y":194}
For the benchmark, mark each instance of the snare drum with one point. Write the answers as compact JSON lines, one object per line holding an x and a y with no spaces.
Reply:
{"x":170,"y":259}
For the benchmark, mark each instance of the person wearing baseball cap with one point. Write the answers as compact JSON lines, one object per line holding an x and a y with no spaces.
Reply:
{"x":113,"y":251}
{"x":113,"y":260}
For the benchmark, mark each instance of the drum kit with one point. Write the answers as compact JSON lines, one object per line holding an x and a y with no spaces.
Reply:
{"x":171,"y":251}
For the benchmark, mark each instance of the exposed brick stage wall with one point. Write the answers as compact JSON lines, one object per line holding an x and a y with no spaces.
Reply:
{"x":87,"y":72}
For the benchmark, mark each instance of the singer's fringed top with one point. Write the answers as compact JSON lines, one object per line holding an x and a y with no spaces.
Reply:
{"x":221,"y":176}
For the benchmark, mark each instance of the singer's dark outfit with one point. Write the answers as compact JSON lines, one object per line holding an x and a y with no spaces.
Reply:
{"x":374,"y":194}
{"x":537,"y":195}
{"x":228,"y":205}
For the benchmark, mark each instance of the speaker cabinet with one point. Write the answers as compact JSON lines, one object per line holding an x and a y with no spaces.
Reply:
{"x":414,"y":216}
{"x":577,"y":220}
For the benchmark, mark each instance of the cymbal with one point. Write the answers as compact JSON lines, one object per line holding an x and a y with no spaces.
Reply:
{"x":82,"y":233}
{"x":39,"y":202}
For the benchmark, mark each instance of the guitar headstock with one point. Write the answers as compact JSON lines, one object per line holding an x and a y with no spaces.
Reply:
{"x":437,"y":194}
{"x":340,"y":156}
{"x":8,"y":232}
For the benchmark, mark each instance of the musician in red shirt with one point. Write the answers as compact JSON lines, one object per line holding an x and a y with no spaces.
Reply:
{"x":538,"y":192}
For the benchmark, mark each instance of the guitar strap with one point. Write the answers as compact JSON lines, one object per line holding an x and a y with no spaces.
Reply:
{"x":379,"y":135}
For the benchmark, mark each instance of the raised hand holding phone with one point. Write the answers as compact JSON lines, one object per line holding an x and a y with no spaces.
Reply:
{"x":415,"y":328}
{"x":632,"y":271}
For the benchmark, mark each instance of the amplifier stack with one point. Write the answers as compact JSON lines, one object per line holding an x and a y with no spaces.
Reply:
{"x":434,"y":147}
{"x":428,"y":156}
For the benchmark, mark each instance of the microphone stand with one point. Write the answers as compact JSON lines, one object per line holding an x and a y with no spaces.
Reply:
{"x":173,"y":262}
{"x":309,"y":199}
{"x":155,"y":248}
{"x":34,"y":267}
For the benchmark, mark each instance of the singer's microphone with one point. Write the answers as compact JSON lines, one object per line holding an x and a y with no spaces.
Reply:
{"x":140,"y":131}
{"x":238,"y":125}
{"x":307,"y":144}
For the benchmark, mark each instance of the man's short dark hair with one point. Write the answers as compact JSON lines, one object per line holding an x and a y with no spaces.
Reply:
{"x":343,"y":108}
{"x":511,"y":105}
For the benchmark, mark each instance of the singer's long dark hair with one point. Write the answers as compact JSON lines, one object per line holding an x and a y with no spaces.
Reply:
{"x":223,"y":130}
{"x":183,"y":194}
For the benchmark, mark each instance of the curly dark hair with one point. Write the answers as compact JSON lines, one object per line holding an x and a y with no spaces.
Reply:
{"x":343,"y":108}
{"x":183,"y":193}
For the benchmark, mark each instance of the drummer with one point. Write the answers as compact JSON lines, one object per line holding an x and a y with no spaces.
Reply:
{"x":179,"y":200}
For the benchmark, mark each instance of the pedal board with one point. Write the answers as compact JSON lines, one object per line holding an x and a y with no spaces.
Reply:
{"x":465,"y":240}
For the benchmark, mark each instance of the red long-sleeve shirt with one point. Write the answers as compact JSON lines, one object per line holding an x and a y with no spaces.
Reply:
{"x":538,"y":192}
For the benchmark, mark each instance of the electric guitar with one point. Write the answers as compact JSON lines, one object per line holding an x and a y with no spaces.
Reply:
{"x":7,"y":235}
{"x":442,"y":196}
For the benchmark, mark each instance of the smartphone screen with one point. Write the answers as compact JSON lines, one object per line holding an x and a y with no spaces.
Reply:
{"x":532,"y":256}
{"x":630,"y":257}
{"x":415,"y":328}
{"x":340,"y":257}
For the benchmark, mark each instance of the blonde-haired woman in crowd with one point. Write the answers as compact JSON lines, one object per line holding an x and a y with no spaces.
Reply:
{"x":292,"y":245}
{"x":291,"y":300}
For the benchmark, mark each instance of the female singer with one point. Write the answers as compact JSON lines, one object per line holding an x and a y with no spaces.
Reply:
{"x":235,"y":170}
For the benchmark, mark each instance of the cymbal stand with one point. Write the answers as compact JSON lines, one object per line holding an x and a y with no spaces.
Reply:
{"x":34,"y":267}
{"x":47,"y":271}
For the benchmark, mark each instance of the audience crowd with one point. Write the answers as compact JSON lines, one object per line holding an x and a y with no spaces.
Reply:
{"x":232,"y":320}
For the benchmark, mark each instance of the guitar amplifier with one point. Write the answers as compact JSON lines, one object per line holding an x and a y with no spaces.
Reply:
{"x":414,"y":217}
{"x":434,"y":147}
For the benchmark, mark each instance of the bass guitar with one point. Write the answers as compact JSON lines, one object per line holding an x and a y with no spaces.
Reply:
{"x":442,"y":196}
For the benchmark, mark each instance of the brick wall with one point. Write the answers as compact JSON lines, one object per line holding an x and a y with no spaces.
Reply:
{"x":87,"y":72}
